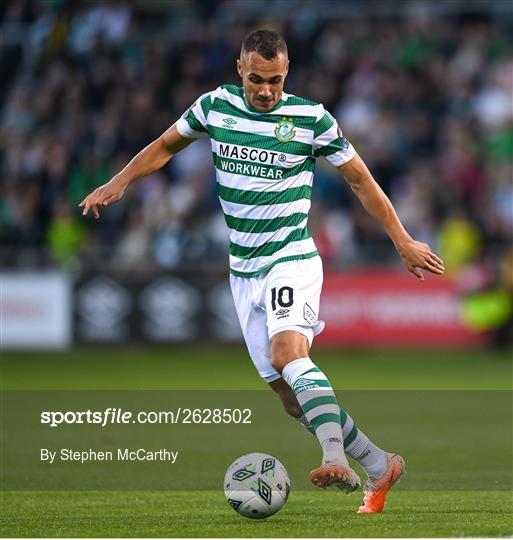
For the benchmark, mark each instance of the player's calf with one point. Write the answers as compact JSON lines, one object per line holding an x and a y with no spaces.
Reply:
{"x":319,"y":404}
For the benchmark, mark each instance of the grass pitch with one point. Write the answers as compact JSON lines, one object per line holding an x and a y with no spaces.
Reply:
{"x":199,"y":514}
{"x":409,"y":513}
{"x":229,"y":368}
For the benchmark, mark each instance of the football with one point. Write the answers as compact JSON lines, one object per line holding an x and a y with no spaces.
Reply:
{"x":256,"y":485}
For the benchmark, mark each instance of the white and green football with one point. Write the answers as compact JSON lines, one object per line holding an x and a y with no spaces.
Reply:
{"x":256,"y":485}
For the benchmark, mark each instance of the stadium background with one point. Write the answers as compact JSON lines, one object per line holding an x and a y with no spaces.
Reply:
{"x":422,"y":89}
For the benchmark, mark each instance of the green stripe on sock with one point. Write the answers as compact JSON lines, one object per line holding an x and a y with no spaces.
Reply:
{"x":313,"y":370}
{"x":351,"y":437}
{"x":324,"y":418}
{"x":315,"y":402}
{"x":343,"y":417}
{"x":321,"y":383}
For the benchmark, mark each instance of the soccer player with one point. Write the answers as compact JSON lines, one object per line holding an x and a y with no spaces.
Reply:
{"x":265,"y":143}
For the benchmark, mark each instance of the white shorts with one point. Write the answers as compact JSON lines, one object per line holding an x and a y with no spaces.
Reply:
{"x":285,"y":298}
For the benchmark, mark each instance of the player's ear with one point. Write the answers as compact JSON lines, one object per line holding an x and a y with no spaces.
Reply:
{"x":239,"y":67}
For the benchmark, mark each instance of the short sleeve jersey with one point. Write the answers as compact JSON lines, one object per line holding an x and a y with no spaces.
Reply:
{"x":264,"y":167}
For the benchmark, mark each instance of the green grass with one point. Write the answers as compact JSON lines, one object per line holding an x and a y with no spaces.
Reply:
{"x":448,"y":511}
{"x":198,"y":514}
{"x":230,"y":368}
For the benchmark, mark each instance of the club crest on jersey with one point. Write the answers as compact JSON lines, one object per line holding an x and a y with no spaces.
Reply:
{"x":285,"y":130}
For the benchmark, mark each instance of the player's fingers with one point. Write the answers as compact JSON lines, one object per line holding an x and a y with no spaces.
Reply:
{"x":436,"y":258}
{"x":435,"y":269}
{"x":89,"y":204}
{"x":85,"y":201}
{"x":89,"y":199}
{"x":94,"y":209}
{"x":416,"y":272}
{"x":436,"y":263}
{"x":110,"y":199}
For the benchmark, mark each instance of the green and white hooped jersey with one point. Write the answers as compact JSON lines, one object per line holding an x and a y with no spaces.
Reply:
{"x":264,"y":166}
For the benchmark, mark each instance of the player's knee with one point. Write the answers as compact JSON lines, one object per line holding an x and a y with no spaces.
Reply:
{"x":281,"y":353}
{"x":285,"y":349}
{"x":281,"y":359}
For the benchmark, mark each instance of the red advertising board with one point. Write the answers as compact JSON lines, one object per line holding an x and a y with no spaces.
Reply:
{"x":389,"y":307}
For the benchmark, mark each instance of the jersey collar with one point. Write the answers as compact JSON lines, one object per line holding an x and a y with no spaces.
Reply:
{"x":252,"y":109}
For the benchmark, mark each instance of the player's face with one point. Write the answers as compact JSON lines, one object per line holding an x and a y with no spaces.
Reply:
{"x":262,"y":79}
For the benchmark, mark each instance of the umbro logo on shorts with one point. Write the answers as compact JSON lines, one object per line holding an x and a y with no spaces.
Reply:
{"x":282,"y":313}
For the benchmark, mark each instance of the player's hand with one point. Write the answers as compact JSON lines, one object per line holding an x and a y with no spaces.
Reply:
{"x":102,"y":196}
{"x":416,"y":255}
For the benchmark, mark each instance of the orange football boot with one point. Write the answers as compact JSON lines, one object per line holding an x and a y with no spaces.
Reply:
{"x":375,"y":491}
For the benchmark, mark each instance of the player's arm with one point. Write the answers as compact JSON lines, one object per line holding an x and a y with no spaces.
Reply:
{"x":414,"y":254}
{"x":148,"y":160}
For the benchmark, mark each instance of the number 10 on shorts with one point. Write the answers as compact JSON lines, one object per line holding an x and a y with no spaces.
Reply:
{"x":284,"y":296}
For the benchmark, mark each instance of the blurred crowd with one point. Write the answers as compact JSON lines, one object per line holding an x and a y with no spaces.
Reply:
{"x":426,"y":100}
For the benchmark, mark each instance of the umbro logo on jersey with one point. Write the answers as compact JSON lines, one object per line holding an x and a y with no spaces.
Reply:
{"x":229,"y":122}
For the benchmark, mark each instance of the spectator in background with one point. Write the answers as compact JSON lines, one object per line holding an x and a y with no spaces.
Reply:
{"x":459,"y":241}
{"x":427,"y":99}
{"x":66,"y":234}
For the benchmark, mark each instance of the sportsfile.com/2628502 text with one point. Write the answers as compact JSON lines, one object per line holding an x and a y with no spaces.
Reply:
{"x":113,"y":415}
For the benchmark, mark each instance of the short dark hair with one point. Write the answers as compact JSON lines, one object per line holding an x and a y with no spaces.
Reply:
{"x":267,"y":43}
